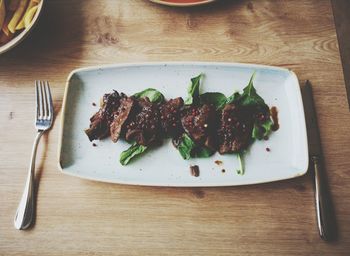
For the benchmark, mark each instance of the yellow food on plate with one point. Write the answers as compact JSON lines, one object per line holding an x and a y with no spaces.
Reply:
{"x":15,"y":15}
{"x":5,"y":29}
{"x":20,"y":25}
{"x":2,"y":12}
{"x":18,"y":15}
{"x":28,"y":15}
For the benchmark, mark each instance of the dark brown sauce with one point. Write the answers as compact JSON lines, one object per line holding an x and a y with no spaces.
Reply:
{"x":218,"y":162}
{"x":194,"y":170}
{"x":274,"y":116}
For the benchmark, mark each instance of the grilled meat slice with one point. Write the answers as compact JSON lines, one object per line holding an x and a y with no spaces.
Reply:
{"x":200,"y":123}
{"x":110,"y":104}
{"x":235,"y":128}
{"x":98,"y":127}
{"x":100,"y":121}
{"x":170,"y":115}
{"x":144,"y":127}
{"x":120,"y":116}
{"x":211,"y":141}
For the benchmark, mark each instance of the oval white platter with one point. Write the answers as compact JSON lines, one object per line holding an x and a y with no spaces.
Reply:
{"x":163,"y":166}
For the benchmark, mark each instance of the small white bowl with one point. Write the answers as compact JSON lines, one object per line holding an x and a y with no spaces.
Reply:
{"x":18,"y":38}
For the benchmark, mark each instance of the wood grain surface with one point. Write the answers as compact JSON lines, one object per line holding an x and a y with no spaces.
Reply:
{"x":342,"y":23}
{"x":79,"y":217}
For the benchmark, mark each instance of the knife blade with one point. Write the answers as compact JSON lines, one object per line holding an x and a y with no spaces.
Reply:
{"x":324,"y":208}
{"x":313,"y":133}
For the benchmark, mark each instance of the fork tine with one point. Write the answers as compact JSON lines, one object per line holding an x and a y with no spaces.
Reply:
{"x":49,"y":100}
{"x":40,"y":101}
{"x":37,"y":99}
{"x":44,"y":99}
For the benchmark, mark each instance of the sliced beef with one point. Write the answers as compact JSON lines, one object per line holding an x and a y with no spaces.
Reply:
{"x":110,"y":103}
{"x":147,"y":123}
{"x":200,"y":123}
{"x":144,"y":127}
{"x":120,"y":116}
{"x":170,"y":115}
{"x":210,"y":141}
{"x":235,"y":128}
{"x":98,"y":127}
{"x":100,"y":121}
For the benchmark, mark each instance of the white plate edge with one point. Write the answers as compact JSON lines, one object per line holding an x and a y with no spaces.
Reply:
{"x":156,"y":63}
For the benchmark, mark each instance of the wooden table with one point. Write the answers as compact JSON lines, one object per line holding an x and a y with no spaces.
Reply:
{"x":79,"y":217}
{"x":342,"y":23}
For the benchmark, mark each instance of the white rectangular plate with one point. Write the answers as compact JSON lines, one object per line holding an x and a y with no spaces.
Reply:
{"x":288,"y":156}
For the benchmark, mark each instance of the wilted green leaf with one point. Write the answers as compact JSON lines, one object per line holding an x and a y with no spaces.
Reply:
{"x":133,"y":151}
{"x":152,"y":94}
{"x":193,"y":90}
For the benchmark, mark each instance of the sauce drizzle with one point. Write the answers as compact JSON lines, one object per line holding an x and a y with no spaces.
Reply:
{"x":194,"y":170}
{"x":274,"y":116}
{"x":218,"y":162}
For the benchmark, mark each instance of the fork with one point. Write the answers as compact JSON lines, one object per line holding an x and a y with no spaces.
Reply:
{"x":43,"y":121}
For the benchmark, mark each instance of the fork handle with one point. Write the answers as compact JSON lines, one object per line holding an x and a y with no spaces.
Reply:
{"x":25,"y":211}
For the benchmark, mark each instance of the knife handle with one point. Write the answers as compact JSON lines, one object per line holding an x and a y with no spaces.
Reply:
{"x":324,"y":210}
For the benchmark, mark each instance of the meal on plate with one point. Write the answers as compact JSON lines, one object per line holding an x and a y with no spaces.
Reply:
{"x":15,"y":15}
{"x":199,"y":126}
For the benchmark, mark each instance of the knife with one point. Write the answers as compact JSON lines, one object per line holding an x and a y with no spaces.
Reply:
{"x":324,"y":209}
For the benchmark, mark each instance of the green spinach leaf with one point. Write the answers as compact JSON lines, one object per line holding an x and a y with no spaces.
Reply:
{"x":218,"y":99}
{"x":131,"y":152}
{"x":250,"y":96}
{"x":202,"y":152}
{"x":186,"y":146}
{"x":152,"y":94}
{"x":215,"y":98}
{"x":240,"y":157}
{"x":233,"y":98}
{"x":261,"y":130}
{"x":193,"y":90}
